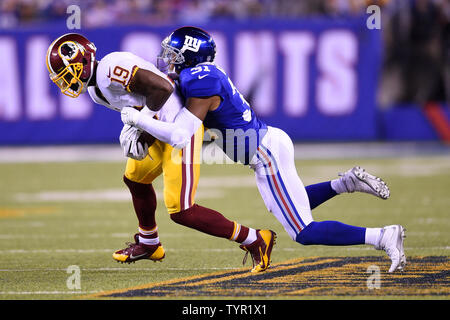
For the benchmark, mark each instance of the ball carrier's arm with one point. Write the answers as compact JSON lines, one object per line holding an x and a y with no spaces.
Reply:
{"x":156,"y":89}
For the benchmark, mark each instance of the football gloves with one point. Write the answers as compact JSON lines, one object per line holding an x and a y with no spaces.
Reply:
{"x":177,"y":133}
{"x":131,"y":146}
{"x":129,"y":115}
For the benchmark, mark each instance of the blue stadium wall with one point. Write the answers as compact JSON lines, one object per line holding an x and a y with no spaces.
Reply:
{"x":314,"y":78}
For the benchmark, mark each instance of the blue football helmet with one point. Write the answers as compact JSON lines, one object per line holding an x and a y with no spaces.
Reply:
{"x":186,"y":47}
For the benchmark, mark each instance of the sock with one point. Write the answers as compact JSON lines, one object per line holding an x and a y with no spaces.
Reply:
{"x":148,"y":237}
{"x":250,"y":238}
{"x":331,"y":233}
{"x":205,"y":220}
{"x":242,"y":233}
{"x":338,"y":186}
{"x":373,"y":236}
{"x":319,"y":193}
{"x":144,"y":203}
{"x":211,"y":222}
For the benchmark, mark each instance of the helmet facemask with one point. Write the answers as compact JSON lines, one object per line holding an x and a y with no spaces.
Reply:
{"x":169,"y":57}
{"x":69,"y":80}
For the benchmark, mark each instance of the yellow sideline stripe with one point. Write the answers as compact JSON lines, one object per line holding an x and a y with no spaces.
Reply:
{"x":18,"y":212}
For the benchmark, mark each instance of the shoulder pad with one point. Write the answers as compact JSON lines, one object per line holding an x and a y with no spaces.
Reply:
{"x":198,"y":82}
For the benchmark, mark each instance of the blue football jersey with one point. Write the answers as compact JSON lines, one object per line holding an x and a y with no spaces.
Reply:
{"x":234,"y":122}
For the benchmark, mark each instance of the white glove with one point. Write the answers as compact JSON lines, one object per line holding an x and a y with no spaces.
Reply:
{"x":130,"y":115}
{"x":132,"y":148}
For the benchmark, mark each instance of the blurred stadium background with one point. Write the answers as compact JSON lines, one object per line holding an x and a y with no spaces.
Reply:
{"x":311,"y":67}
{"x":345,"y":93}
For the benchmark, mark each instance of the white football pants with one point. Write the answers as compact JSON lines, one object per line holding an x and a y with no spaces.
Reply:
{"x":280,"y":187}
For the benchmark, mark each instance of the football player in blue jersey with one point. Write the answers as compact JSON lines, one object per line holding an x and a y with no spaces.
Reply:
{"x":212,"y":99}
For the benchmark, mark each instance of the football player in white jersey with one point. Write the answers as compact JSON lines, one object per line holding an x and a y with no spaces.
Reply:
{"x":122,"y":79}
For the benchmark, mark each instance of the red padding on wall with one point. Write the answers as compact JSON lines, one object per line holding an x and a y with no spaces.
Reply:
{"x":438,"y":119}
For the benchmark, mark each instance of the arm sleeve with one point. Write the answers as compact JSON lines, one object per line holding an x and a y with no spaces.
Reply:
{"x":177,"y":133}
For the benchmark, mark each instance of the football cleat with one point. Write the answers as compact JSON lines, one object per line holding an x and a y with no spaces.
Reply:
{"x":260,"y":250}
{"x":392,"y":242}
{"x":358,"y":179}
{"x":137,"y":251}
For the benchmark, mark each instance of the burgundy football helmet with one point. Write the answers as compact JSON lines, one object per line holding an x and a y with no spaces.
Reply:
{"x":70,"y":62}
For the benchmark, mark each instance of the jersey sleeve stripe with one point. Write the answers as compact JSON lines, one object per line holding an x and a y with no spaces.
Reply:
{"x":133,"y":72}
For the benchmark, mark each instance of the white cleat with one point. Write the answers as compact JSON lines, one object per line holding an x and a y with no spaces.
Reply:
{"x":358,"y":179}
{"x":392,"y":242}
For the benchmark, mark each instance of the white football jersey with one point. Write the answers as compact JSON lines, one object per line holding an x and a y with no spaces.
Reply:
{"x":114,"y":73}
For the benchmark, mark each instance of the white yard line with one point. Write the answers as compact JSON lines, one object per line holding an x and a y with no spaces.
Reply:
{"x":63,"y":236}
{"x":70,"y":153}
{"x":46,"y":292}
{"x":109,"y":195}
{"x":113,"y":152}
{"x":32,"y":251}
{"x":124,"y":269}
{"x":210,"y":187}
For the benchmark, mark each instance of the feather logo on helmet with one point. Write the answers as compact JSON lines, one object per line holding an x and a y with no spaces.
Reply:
{"x":69,"y":50}
{"x":191,"y":43}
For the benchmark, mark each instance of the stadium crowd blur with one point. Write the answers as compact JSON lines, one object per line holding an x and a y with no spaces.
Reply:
{"x":416,"y":66}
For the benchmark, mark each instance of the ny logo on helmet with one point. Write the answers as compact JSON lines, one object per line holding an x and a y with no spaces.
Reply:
{"x":192,"y":44}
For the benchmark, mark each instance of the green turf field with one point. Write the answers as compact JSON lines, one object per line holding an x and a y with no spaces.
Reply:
{"x":56,"y":215}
